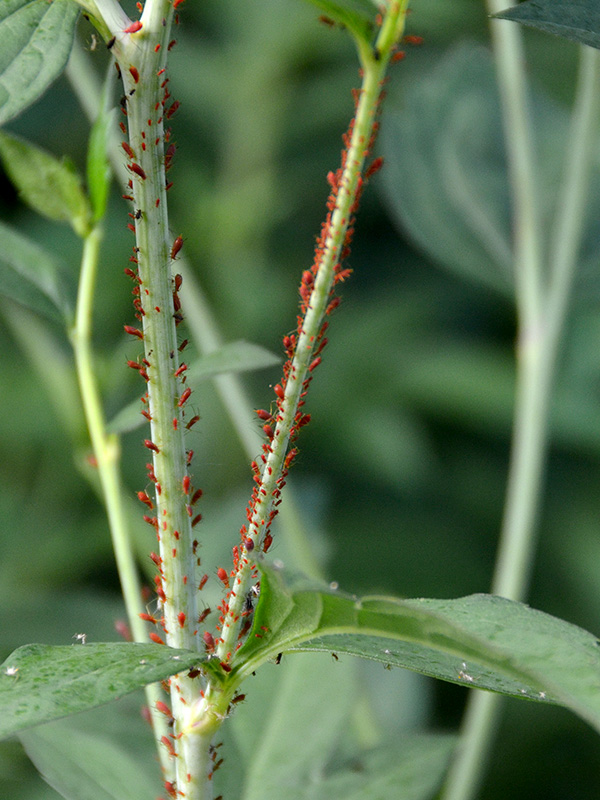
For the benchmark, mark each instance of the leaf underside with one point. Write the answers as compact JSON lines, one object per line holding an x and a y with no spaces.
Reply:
{"x":35,"y":42}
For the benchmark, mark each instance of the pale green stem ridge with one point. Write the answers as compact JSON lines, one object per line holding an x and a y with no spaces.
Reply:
{"x":107,"y":453}
{"x":536,"y":366}
{"x":374,"y":67}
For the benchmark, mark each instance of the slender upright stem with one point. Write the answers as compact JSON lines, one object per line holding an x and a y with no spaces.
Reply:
{"x":542,"y":307}
{"x":142,"y":58}
{"x":106,"y":450}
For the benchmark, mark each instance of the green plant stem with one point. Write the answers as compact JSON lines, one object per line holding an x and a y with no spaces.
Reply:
{"x":106,"y":450}
{"x":364,"y":125}
{"x":542,"y":315}
{"x":142,"y":59}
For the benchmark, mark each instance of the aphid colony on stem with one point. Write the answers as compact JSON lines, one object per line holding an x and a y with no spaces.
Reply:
{"x":173,"y":516}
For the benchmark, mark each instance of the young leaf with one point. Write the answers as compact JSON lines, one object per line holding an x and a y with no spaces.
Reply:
{"x":356,"y":15}
{"x":479,"y":641}
{"x":577,"y":20}
{"x":49,"y":186}
{"x":29,"y":275}
{"x":233,"y":357}
{"x":40,"y":683}
{"x":35,"y":42}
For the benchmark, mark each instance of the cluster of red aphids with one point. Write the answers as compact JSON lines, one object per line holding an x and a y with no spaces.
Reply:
{"x":145,"y":139}
{"x":270,"y":419}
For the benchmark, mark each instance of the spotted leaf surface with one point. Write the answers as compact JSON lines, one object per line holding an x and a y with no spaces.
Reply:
{"x":40,"y":683}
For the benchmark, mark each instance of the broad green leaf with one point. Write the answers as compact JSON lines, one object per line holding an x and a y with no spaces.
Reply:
{"x":49,"y":186}
{"x":238,"y":356}
{"x":30,"y":275}
{"x":40,"y":683}
{"x":35,"y":42}
{"x":577,"y":20}
{"x":478,"y":641}
{"x":87,"y":766}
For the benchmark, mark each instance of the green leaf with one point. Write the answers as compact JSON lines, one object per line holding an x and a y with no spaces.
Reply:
{"x":35,"y":42}
{"x":30,"y":275}
{"x":40,"y":683}
{"x":49,"y":186}
{"x":577,"y":20}
{"x":238,"y":356}
{"x":356,"y":15}
{"x":446,"y":176}
{"x":87,"y":766}
{"x":478,"y":641}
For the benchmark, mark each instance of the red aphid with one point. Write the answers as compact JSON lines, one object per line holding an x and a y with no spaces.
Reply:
{"x":203,"y":616}
{"x":279,"y":391}
{"x":134,"y":74}
{"x":374,"y":167}
{"x":163,"y":708}
{"x":128,"y":149}
{"x":143,"y":498}
{"x":151,"y":446}
{"x":192,"y":422}
{"x":156,"y":558}
{"x":138,"y":170}
{"x":186,"y":484}
{"x":181,"y":619}
{"x":196,"y":520}
{"x":202,"y":583}
{"x":195,"y":497}
{"x":169,"y":745}
{"x":148,"y":618}
{"x":156,"y":638}
{"x":133,"y":331}
{"x":238,"y":699}
{"x":122,"y":628}
{"x":173,"y":108}
{"x":264,"y":415}
{"x":209,"y":641}
{"x":223,"y":577}
{"x":134,"y":27}
{"x":178,"y":281}
{"x":267,"y":542}
{"x":184,"y":397}
{"x":177,"y":245}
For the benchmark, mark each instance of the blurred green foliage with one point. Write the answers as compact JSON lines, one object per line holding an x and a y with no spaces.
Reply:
{"x":402,"y":470}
